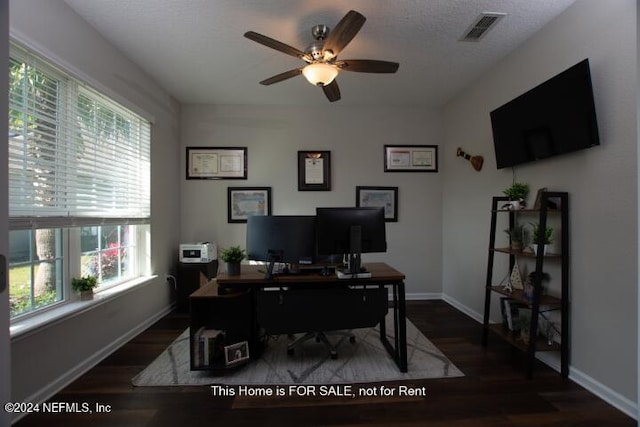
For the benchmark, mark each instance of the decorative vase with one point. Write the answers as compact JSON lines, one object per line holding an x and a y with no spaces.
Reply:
{"x":535,"y":249}
{"x":233,"y":268}
{"x":86,"y":295}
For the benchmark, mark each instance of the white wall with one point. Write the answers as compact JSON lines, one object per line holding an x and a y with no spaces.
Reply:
{"x":72,"y":345}
{"x":355,"y":137}
{"x":5,"y":362}
{"x":602,"y":186}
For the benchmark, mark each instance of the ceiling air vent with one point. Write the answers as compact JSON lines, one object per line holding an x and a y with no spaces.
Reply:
{"x":480,"y":26}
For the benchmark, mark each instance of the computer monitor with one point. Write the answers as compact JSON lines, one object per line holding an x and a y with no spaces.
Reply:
{"x":282,"y":238}
{"x":350,"y":231}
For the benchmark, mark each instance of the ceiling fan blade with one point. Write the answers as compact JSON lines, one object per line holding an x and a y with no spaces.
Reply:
{"x":367,"y":66}
{"x":332,"y":91}
{"x":282,"y":76}
{"x":344,"y":32}
{"x":275,"y":44}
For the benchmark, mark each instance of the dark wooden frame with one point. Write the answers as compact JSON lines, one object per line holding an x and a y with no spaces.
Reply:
{"x":325,"y":156}
{"x":393,"y":216}
{"x":414,"y":159}
{"x":192,"y":173}
{"x":231,"y":217}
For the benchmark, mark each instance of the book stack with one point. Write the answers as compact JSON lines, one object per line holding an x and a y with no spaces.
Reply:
{"x":208,"y":347}
{"x":509,"y":308}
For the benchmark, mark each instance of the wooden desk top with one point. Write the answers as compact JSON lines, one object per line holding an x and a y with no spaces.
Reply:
{"x":254,"y":275}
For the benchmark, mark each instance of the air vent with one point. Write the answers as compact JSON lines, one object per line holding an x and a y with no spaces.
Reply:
{"x":480,"y":26}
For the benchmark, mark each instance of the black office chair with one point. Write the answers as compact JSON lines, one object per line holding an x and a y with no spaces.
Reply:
{"x":318,"y":312}
{"x":319,"y":337}
{"x":307,"y":312}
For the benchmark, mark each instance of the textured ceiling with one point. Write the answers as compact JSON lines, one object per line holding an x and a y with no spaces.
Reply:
{"x":196,"y":49}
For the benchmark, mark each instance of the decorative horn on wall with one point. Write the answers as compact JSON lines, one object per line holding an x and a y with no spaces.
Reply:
{"x":476,"y":161}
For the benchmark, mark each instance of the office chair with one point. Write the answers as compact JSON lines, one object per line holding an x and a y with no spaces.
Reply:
{"x":319,"y":337}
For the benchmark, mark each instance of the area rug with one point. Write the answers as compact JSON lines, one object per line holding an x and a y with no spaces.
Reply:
{"x":364,"y":361}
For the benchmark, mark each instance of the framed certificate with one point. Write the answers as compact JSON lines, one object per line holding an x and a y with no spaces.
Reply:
{"x":314,"y":171}
{"x":374,"y":197}
{"x":411,"y":158}
{"x":216,"y":162}
{"x":243,"y":202}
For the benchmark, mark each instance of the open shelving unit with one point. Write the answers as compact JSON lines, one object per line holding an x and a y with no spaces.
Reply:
{"x":551,"y":203}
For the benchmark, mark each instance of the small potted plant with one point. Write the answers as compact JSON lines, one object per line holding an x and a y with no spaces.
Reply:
{"x":546,"y":239}
{"x":84,"y":286}
{"x":517,"y":193}
{"x":524,"y":323}
{"x":517,"y":237}
{"x":233,"y":255}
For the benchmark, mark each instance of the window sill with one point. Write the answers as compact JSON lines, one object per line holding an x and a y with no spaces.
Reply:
{"x":25,"y":327}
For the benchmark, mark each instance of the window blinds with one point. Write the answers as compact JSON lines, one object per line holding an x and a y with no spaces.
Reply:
{"x":76,"y":157}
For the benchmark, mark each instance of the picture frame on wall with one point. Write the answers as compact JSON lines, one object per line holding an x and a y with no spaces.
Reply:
{"x":314,"y":171}
{"x":386,"y":197}
{"x":243,"y":202}
{"x":216,"y":163}
{"x":411,"y":158}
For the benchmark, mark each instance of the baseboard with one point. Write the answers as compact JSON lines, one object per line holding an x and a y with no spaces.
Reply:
{"x":610,"y":396}
{"x":463,"y":308}
{"x":68,"y":377}
{"x":423,"y":296}
{"x":552,"y":360}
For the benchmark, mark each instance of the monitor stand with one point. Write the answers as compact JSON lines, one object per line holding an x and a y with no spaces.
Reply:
{"x":273,"y":256}
{"x":354,"y":270}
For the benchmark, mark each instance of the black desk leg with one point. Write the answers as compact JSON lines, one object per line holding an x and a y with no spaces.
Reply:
{"x":402,"y":329}
{"x":399,"y":351}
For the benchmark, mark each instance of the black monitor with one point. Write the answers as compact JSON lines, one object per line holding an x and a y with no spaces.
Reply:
{"x":281,"y":238}
{"x":351,"y":231}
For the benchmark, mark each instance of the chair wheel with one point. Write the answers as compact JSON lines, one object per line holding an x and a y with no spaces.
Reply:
{"x":334,"y":356}
{"x":352,"y":340}
{"x":290,"y":351}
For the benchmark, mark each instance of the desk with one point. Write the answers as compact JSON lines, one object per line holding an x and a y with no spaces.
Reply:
{"x":382,"y":275}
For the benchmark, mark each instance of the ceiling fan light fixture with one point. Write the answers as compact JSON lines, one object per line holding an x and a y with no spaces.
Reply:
{"x":320,"y":73}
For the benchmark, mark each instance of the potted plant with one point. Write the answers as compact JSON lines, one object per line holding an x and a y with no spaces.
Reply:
{"x":546,"y":239}
{"x":84,"y":285}
{"x":517,"y":193}
{"x":233,"y":255}
{"x":524,"y":323}
{"x":517,"y":237}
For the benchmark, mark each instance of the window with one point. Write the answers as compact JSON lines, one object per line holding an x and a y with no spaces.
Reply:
{"x":35,"y":274}
{"x":79,"y":185}
{"x":106,"y":252}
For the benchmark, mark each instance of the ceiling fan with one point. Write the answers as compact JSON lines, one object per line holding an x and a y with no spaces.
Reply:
{"x":321,"y":56}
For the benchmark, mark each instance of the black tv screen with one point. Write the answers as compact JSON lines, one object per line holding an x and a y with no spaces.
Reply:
{"x":556,"y":117}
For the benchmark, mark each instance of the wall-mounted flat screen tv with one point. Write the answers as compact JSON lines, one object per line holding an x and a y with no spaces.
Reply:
{"x":556,"y":117}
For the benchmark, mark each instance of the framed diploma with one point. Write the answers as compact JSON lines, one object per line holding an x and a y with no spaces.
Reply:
{"x":314,"y":171}
{"x":216,"y":162}
{"x":411,"y":158}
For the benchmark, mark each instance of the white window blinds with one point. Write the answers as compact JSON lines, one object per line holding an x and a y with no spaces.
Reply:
{"x":76,"y":157}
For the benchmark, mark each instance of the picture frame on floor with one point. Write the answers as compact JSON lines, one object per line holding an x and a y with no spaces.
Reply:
{"x":236,"y":353}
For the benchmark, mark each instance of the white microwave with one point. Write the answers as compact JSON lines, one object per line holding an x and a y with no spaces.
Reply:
{"x":198,"y":252}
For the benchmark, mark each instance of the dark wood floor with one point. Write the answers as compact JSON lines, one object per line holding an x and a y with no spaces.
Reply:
{"x":493,"y":392}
